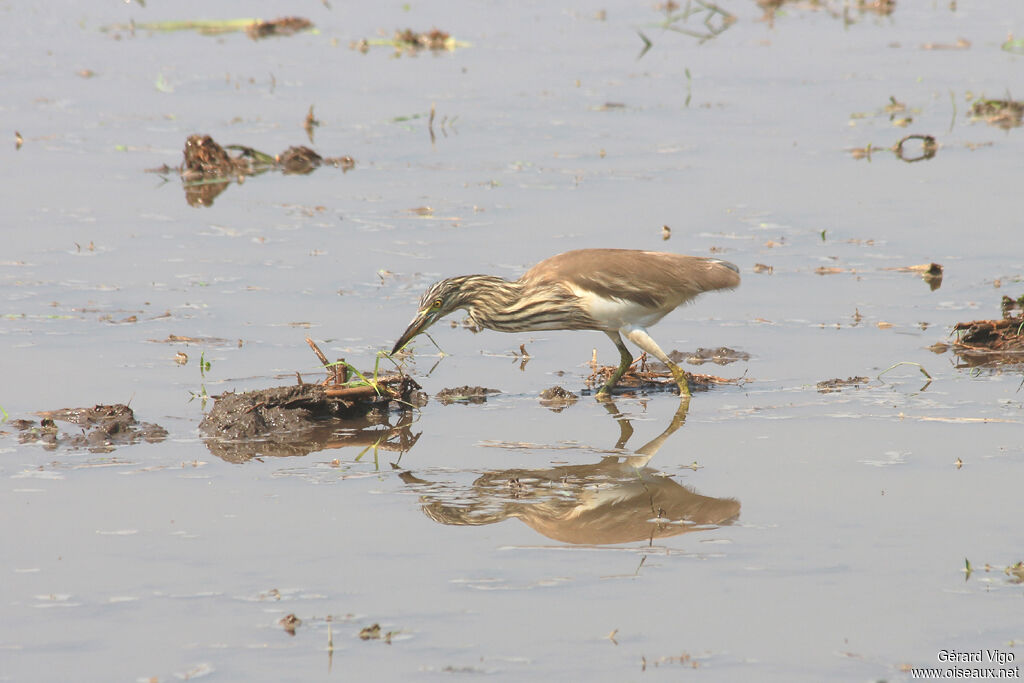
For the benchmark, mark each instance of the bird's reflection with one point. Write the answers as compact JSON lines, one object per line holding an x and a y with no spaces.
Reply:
{"x":620,"y":499}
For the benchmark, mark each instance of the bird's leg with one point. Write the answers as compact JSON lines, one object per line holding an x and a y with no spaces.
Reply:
{"x":639,"y":336}
{"x":625,"y":358}
{"x":644,"y":454}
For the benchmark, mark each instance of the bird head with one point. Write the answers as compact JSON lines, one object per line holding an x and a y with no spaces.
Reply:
{"x":440,"y":299}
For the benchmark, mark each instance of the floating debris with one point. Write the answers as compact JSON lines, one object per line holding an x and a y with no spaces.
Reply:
{"x":1009,"y":305}
{"x":376,"y":633}
{"x":712,"y":21}
{"x":181,"y":339}
{"x":254,"y":28}
{"x":829,"y":386}
{"x":930,"y":273}
{"x":655,"y":376}
{"x":992,"y":342}
{"x":309,"y":123}
{"x":1006,"y":113}
{"x":465,"y":394}
{"x":290,"y":623}
{"x":284,"y":26}
{"x":928,"y":148}
{"x":411,"y":42}
{"x":208,"y":168}
{"x":894,"y":106}
{"x":1013,"y":45}
{"x":1014,"y":571}
{"x":557,"y":398}
{"x":299,"y":161}
{"x":102,"y":429}
{"x":370,"y":632}
{"x":960,"y":44}
{"x":882,"y":8}
{"x":205,"y":157}
{"x":903,"y":151}
{"x":609,"y":106}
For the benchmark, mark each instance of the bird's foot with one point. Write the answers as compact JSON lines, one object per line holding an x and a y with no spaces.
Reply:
{"x":680,"y":377}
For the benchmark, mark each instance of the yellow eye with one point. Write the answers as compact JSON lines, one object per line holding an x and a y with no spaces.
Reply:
{"x":437,"y":304}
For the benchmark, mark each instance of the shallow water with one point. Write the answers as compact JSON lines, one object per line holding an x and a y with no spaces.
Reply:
{"x":845,"y":560}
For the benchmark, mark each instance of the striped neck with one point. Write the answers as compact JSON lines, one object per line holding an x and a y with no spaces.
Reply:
{"x":506,"y":306}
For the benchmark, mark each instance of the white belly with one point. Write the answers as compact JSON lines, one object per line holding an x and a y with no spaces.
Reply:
{"x":614,"y":314}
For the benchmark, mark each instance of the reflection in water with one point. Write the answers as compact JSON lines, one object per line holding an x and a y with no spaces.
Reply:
{"x":371,"y":431}
{"x":619,"y":499}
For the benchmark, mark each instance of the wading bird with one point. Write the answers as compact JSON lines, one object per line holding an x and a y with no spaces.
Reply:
{"x":617,"y":291}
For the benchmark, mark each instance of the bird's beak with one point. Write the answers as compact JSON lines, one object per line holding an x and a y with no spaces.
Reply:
{"x":418,"y":324}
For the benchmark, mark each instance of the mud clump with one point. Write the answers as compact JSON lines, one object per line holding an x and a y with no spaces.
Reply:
{"x":257,"y":414}
{"x":290,"y":623}
{"x":299,"y":161}
{"x":829,"y":386}
{"x":205,"y":157}
{"x":102,"y":429}
{"x":434,"y":39}
{"x":465,"y":394}
{"x":303,"y":418}
{"x":993,"y":342}
{"x":209,"y":168}
{"x":557,"y":398}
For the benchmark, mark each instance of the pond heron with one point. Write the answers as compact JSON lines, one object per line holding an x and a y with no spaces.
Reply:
{"x":618,"y":291}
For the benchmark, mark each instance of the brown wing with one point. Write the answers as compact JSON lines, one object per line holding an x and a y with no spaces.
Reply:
{"x":650,"y":278}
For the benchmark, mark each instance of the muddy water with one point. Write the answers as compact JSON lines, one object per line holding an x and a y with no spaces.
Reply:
{"x":788,"y":535}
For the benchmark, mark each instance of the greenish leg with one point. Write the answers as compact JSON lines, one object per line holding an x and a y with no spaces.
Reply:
{"x":639,"y":336}
{"x":626,"y":359}
{"x":680,"y":376}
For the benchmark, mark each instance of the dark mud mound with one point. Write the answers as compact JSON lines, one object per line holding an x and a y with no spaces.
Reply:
{"x":102,"y":428}
{"x":297,"y":421}
{"x":304,"y":418}
{"x":255,"y":414}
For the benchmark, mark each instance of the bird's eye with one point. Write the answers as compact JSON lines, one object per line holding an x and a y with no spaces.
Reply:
{"x":437,"y":304}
